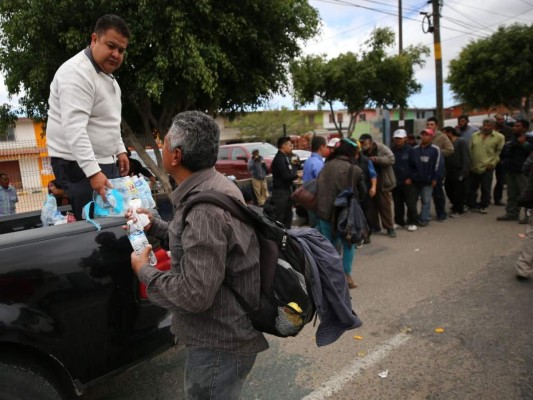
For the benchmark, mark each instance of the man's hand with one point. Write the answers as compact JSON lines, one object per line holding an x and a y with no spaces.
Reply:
{"x":123,"y":164}
{"x":129,"y":215}
{"x":100,"y":183}
{"x":372,"y":191}
{"x":490,"y":167}
{"x":140,"y":260}
{"x":433,"y":183}
{"x":408,"y":181}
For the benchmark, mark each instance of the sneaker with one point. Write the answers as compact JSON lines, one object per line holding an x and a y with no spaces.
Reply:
{"x":483,"y":211}
{"x":423,"y":223}
{"x":507,"y":217}
{"x":522,"y":278}
{"x":391,"y":233}
{"x":455,"y":215}
{"x":396,"y":226}
{"x":412,"y":228}
{"x":443,"y":219}
{"x":499,"y":203}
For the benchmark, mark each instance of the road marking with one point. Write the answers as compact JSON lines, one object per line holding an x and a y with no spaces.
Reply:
{"x":336,"y":383}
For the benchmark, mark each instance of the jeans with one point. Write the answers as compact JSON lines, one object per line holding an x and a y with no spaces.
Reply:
{"x":214,"y":375}
{"x":439,"y":200}
{"x":283,"y":206}
{"x":499,"y":172}
{"x":516,"y":183}
{"x":348,"y":249}
{"x":455,"y":189}
{"x":425,"y":192}
{"x":485,"y":181}
{"x":405,"y":196}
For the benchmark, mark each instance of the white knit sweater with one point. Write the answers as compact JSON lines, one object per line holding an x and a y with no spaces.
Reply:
{"x":84,"y":115}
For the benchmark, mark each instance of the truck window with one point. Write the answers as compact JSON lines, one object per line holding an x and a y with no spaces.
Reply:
{"x":223,"y":154}
{"x":238,"y":152}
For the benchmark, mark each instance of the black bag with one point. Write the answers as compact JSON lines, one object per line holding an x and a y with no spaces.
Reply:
{"x":351,"y":224}
{"x":286,"y":303}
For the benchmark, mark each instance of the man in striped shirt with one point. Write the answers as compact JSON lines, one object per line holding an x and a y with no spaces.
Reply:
{"x":210,"y":252}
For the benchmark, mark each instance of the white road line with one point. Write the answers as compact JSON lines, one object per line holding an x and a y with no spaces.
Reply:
{"x":335,"y":384}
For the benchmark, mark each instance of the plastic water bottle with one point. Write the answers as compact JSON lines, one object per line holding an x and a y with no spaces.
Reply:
{"x":145,"y":194}
{"x":139,"y":241}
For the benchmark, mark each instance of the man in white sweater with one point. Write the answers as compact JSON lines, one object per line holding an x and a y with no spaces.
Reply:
{"x":83,"y":128}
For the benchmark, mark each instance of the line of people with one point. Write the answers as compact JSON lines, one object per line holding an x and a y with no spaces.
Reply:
{"x":395,"y":186}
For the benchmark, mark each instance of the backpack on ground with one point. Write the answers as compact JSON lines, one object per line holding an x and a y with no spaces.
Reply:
{"x":286,"y":303}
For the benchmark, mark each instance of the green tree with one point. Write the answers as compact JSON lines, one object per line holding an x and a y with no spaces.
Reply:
{"x":496,"y":70}
{"x":217,"y":56}
{"x":373,"y":78}
{"x":8,"y":118}
{"x":267,"y":126}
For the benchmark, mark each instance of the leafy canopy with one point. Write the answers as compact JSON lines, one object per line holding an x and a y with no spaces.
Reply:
{"x":373,"y":78}
{"x":268,"y":126}
{"x":495,"y":70}
{"x":217,"y":56}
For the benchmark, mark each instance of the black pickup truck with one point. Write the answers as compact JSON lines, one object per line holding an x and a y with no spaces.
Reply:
{"x":71,"y":310}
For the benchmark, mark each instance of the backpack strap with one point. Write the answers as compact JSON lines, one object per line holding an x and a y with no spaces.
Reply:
{"x":236,"y":209}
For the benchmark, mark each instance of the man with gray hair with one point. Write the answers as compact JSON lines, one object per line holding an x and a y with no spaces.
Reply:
{"x":485,"y":148}
{"x":213,"y":256}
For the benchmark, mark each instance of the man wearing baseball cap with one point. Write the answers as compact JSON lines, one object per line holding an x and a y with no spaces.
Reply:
{"x":405,"y":193}
{"x":425,"y":160}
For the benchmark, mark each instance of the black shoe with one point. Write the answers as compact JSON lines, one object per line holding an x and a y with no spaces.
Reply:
{"x":423,"y":223}
{"x":499,"y":203}
{"x":507,"y":217}
{"x":391,"y":233}
{"x":521,"y":278}
{"x":524,"y":221}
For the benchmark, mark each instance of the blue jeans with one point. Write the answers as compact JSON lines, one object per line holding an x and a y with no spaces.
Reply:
{"x":348,"y":249}
{"x":425,"y":196}
{"x":215,"y":375}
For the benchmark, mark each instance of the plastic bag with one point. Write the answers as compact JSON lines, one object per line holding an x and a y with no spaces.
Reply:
{"x":50,"y":215}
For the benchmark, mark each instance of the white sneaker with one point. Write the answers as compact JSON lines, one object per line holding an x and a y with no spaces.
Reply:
{"x":396,"y":226}
{"x":412,"y":228}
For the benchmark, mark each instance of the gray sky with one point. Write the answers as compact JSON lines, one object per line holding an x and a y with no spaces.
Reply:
{"x":347,"y":24}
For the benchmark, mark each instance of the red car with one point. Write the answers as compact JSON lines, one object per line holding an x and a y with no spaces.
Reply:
{"x":233,"y":158}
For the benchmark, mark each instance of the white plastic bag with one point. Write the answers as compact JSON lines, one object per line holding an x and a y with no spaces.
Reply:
{"x":50,"y":215}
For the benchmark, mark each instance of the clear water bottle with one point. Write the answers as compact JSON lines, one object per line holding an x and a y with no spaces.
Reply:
{"x":139,"y":241}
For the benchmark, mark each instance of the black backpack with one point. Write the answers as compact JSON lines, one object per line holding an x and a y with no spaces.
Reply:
{"x":286,"y":303}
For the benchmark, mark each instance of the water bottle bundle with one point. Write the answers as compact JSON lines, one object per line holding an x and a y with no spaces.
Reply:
{"x":127,"y":192}
{"x":139,"y":241}
{"x":50,"y":215}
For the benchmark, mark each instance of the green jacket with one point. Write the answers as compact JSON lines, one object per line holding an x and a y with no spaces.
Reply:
{"x":485,"y":152}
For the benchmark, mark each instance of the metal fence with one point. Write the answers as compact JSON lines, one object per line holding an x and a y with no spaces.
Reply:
{"x":27,"y":165}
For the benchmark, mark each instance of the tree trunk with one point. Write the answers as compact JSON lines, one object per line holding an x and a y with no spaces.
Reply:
{"x":334,"y":120}
{"x":132,"y":140}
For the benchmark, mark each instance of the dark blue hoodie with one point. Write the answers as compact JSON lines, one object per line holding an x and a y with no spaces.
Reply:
{"x":426,"y":163}
{"x":402,"y":164}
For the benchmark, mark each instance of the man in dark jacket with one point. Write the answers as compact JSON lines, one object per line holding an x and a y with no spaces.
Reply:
{"x":513,"y":156}
{"x":425,"y":161}
{"x":405,"y":193}
{"x":457,"y":170}
{"x":283,"y":176}
{"x":499,"y":171}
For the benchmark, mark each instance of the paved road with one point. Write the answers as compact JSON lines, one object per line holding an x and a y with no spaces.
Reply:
{"x":457,"y":275}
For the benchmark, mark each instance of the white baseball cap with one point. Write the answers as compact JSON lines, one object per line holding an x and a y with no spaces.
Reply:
{"x":333,"y":142}
{"x":399,"y":133}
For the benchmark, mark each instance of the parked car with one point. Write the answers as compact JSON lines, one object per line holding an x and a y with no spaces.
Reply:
{"x":233,"y":158}
{"x":71,"y":309}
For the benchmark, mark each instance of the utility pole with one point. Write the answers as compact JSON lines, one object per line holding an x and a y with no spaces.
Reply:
{"x":401,"y":115}
{"x":438,"y":59}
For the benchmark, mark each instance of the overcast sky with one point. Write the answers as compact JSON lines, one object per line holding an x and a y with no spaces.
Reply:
{"x":347,"y":24}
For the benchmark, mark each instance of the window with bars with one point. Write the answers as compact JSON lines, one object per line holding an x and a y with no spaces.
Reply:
{"x":8,"y":135}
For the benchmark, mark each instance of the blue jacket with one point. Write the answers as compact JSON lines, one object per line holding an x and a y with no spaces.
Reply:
{"x":426,"y":164}
{"x":312,"y":167}
{"x":329,"y":289}
{"x":402,"y":165}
